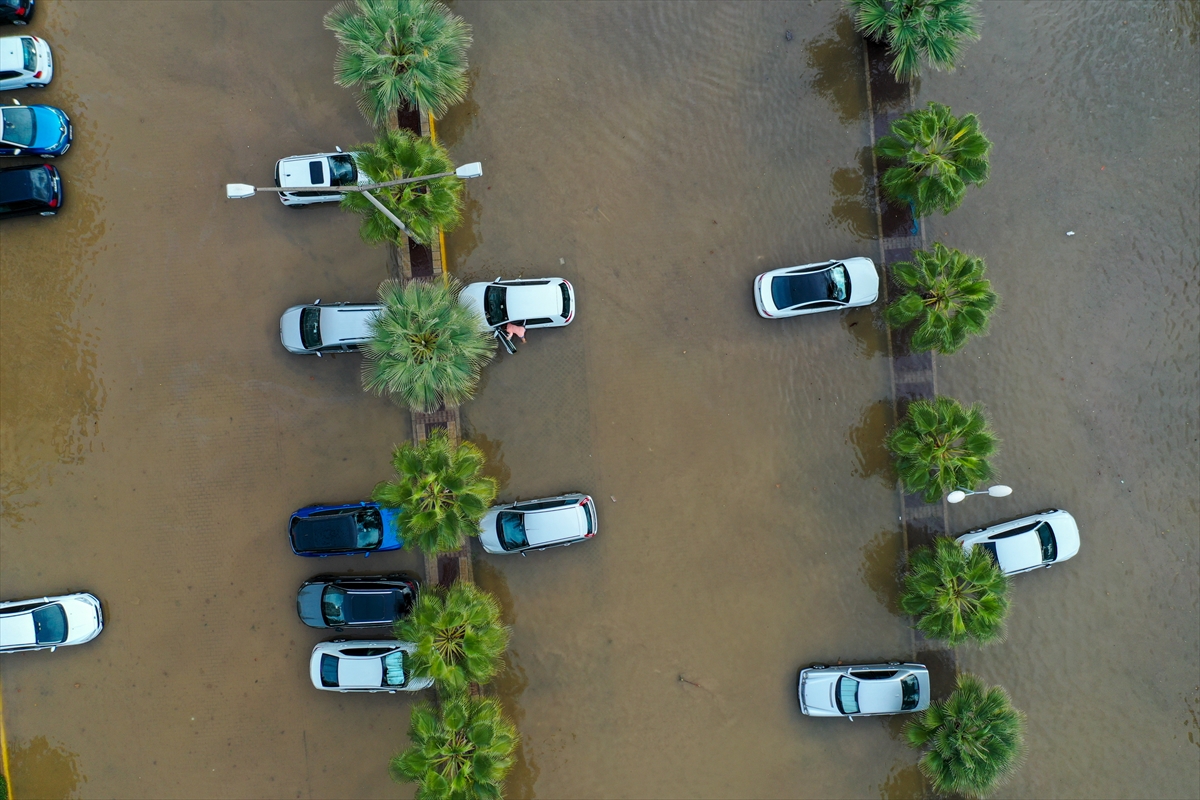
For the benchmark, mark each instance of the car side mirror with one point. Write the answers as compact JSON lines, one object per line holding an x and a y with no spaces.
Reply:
{"x":17,"y":152}
{"x":16,"y":102}
{"x":318,"y":354}
{"x":52,"y":649}
{"x":335,"y":147}
{"x":850,"y":718}
{"x":522,"y":554}
{"x":366,"y":555}
{"x":317,"y":302}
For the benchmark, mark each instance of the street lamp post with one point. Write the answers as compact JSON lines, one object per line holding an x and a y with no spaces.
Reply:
{"x":958,"y":495}
{"x":240,"y":191}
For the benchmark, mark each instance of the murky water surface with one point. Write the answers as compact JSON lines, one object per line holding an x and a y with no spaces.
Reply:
{"x":155,"y":435}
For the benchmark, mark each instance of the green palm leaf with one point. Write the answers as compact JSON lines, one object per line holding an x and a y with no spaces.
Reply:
{"x":941,"y":446}
{"x":950,"y":299}
{"x":459,"y":636}
{"x":954,"y":594}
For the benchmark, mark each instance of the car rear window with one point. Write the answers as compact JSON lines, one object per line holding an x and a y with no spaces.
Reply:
{"x":847,"y":695}
{"x":566,"y":293}
{"x":30,"y":53}
{"x":310,"y":328}
{"x":329,"y":671}
{"x":910,"y":692}
{"x":1049,"y":545}
{"x":20,"y":126}
{"x":495,"y":305}
{"x":370,"y":528}
{"x":587,"y":512}
{"x":510,"y":527}
{"x":50,"y":624}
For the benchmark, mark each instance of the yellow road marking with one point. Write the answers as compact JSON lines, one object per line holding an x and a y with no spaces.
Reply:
{"x":4,"y":748}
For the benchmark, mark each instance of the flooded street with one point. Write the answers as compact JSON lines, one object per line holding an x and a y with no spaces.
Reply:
{"x":154,"y":435}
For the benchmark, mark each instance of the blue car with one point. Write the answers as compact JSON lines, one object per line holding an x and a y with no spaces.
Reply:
{"x":344,"y":530}
{"x":34,"y":131}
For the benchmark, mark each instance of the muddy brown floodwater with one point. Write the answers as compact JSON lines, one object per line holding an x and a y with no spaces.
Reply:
{"x":155,"y":435}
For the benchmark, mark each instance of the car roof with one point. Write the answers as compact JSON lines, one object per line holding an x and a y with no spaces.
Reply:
{"x":294,"y":171}
{"x":360,"y":671}
{"x":554,"y":525}
{"x":349,"y":323}
{"x":1019,"y":552}
{"x":330,"y":533}
{"x":11,"y":56}
{"x":876,"y":696}
{"x":17,"y":629}
{"x":369,"y":605}
{"x":530,"y":302}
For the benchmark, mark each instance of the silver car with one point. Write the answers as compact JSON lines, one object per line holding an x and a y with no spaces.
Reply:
{"x":48,"y":623}
{"x":330,"y":328}
{"x":862,"y":690}
{"x":1039,"y":540}
{"x":365,"y":666}
{"x":538,"y":524}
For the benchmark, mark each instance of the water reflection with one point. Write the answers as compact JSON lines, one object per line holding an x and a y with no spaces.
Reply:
{"x":461,"y":118}
{"x":904,"y":782}
{"x":853,"y":206}
{"x":41,"y":770}
{"x":867,"y":437}
{"x":494,"y":454}
{"x":465,"y":238}
{"x":882,"y":565}
{"x":837,"y":64}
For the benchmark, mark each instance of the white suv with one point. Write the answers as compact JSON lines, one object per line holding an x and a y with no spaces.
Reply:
{"x":365,"y":666}
{"x":25,"y":63}
{"x":532,"y":303}
{"x":538,"y":524}
{"x":336,"y":328}
{"x":49,"y":622}
{"x":311,"y":174}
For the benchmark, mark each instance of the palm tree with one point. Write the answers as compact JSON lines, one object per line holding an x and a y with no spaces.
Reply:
{"x":974,"y":739}
{"x":939,"y":156}
{"x":463,"y":752}
{"x":442,"y":490}
{"x":426,"y":348}
{"x":948,"y":293}
{"x":424,"y":206}
{"x":941,"y":446}
{"x":955,"y":594}
{"x":934,"y":30}
{"x":458,"y":633}
{"x":400,"y":52}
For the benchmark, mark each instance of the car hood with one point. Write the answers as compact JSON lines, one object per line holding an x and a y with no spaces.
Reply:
{"x":818,"y":693}
{"x":1066,"y":535}
{"x":472,"y":297}
{"x":308,"y":605}
{"x":532,"y":302}
{"x":51,"y":126}
{"x":487,"y":531}
{"x":84,"y":619}
{"x":289,"y":330}
{"x":864,"y":280}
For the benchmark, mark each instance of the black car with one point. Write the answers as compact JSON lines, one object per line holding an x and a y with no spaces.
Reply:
{"x":35,"y":189}
{"x":18,"y":12}
{"x":355,"y":601}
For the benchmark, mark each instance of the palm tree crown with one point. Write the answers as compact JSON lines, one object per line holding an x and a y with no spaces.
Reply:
{"x":463,"y":752}
{"x":458,"y":633}
{"x":955,"y":594}
{"x":442,"y":490}
{"x":400,"y":52}
{"x":426,"y":348}
{"x":424,"y":206}
{"x":935,"y":30}
{"x":939,"y":156}
{"x":974,"y":739}
{"x":948,"y":293}
{"x":941,"y":446}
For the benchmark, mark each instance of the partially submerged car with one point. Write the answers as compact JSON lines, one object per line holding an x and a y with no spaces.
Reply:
{"x":539,"y":524}
{"x":355,"y":601}
{"x":861,"y":690}
{"x":34,"y":130}
{"x":812,"y":288}
{"x":529,"y":302}
{"x":333,"y":328}
{"x":315,"y":176}
{"x":365,"y":666}
{"x":1033,"y":542}
{"x":348,"y":529}
{"x":25,"y":63}
{"x":32,"y":189}
{"x":48,"y":623}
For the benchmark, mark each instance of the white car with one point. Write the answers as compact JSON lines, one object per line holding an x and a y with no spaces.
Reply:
{"x":530,"y":302}
{"x":335,"y":328}
{"x":538,"y":524}
{"x":812,"y":288}
{"x":863,"y":689}
{"x":1029,"y":543}
{"x":49,"y":622}
{"x":311,"y":174}
{"x":365,"y":666}
{"x":25,"y":63}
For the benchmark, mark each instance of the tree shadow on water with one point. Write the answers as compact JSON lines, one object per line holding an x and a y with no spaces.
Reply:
{"x":867,"y":437}
{"x":493,"y":453}
{"x":904,"y":782}
{"x":41,"y":770}
{"x":853,"y":192}
{"x":882,"y":568}
{"x":838,"y":70}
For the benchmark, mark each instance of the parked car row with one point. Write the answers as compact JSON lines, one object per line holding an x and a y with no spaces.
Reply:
{"x":1032,"y":542}
{"x":34,"y":130}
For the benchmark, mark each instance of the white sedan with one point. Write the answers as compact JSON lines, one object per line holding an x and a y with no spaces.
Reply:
{"x":530,"y":302}
{"x":25,"y":63}
{"x":309,"y":175}
{"x":812,"y":288}
{"x":538,"y":524}
{"x":863,"y":689}
{"x":49,"y":622}
{"x":1029,"y":543}
{"x":365,"y":666}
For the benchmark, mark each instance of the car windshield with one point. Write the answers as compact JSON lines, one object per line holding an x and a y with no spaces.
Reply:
{"x":910,"y":691}
{"x":847,"y":695}
{"x":789,"y":291}
{"x":342,"y":171}
{"x":50,"y":625}
{"x":510,"y":527}
{"x":329,"y":670}
{"x":1049,"y":546}
{"x":494,"y":305}
{"x":30,"y":53}
{"x":393,"y":669}
{"x":990,"y":549}
{"x":370,"y":528}
{"x":566,"y":293}
{"x":333,"y":605}
{"x":310,"y":328}
{"x":20,"y":126}
{"x":41,"y":184}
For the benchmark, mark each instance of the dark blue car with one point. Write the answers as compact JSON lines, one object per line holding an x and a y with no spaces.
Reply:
{"x":34,"y":131}
{"x":344,"y":530}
